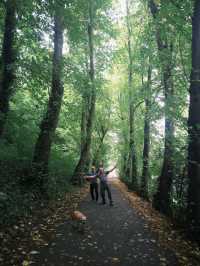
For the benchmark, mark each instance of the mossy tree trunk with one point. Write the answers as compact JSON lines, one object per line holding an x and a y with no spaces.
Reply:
{"x":50,"y":121}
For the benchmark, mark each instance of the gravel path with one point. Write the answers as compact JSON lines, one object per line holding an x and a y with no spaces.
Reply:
{"x":114,"y":236}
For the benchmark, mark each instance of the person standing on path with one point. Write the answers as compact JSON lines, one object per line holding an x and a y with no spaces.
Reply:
{"x":104,"y":186}
{"x":92,"y":177}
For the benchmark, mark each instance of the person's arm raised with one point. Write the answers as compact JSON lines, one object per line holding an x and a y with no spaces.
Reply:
{"x":111,"y":169}
{"x":89,"y":176}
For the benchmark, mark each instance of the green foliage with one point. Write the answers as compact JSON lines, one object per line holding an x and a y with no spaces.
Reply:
{"x":176,"y":27}
{"x":28,"y":104}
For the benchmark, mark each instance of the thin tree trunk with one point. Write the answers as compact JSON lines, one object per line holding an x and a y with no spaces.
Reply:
{"x":133,"y":160}
{"x":194,"y":128}
{"x":124,"y":164}
{"x":146,"y":148}
{"x":127,"y":166}
{"x":8,"y":59}
{"x":50,"y":121}
{"x":85,"y":152}
{"x":162,"y":197}
{"x":96,"y":156}
{"x":83,"y":121}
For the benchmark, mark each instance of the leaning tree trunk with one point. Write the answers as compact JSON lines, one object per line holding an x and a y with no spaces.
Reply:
{"x":50,"y":121}
{"x":8,"y":60}
{"x":85,"y":151}
{"x":133,"y":161}
{"x":146,"y":147}
{"x":194,"y":129}
{"x":162,"y":197}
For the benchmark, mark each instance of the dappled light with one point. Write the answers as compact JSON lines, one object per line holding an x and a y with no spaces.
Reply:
{"x":99,"y":132}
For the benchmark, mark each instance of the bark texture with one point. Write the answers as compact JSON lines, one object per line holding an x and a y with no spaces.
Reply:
{"x":146,"y":147}
{"x":194,"y":128}
{"x":133,"y":160}
{"x":84,"y":116}
{"x":165,"y":48}
{"x":8,"y":59}
{"x":85,"y":151}
{"x":50,"y":121}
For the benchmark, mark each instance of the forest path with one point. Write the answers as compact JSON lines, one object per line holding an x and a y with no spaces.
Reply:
{"x":114,"y":236}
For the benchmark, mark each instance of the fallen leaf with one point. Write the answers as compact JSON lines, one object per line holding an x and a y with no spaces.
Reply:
{"x":114,"y":259}
{"x":34,"y":252}
{"x":25,"y":263}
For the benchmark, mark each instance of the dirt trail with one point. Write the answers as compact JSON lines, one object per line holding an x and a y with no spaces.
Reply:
{"x":114,"y":236}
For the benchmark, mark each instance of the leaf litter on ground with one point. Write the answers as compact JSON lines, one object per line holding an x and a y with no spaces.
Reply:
{"x":22,"y":240}
{"x":187,"y":252}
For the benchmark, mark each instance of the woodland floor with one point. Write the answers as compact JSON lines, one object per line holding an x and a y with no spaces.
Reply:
{"x":129,"y":233}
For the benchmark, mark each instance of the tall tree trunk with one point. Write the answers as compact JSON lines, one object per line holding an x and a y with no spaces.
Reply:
{"x":85,"y":152}
{"x":133,"y":160}
{"x":8,"y":60}
{"x":83,"y":121}
{"x":194,"y":128}
{"x":50,"y":121}
{"x":146,"y":147}
{"x":162,"y":197}
{"x":127,"y":166}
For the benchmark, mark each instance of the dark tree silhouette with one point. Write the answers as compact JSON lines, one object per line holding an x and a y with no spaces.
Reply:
{"x":8,"y":59}
{"x":194,"y":128}
{"x":165,"y":48}
{"x":50,"y":121}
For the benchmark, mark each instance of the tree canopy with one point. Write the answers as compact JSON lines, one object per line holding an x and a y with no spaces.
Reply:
{"x":87,"y":81}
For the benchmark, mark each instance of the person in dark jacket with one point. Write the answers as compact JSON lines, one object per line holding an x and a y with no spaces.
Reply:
{"x":92,"y":178}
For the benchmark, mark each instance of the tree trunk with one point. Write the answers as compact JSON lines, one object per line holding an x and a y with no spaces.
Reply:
{"x":162,"y":197}
{"x":145,"y":170}
{"x":85,"y":152}
{"x":50,"y":121}
{"x":127,"y":166}
{"x":83,"y":121}
{"x":133,"y":160}
{"x":194,"y":128}
{"x":8,"y":59}
{"x":96,"y":155}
